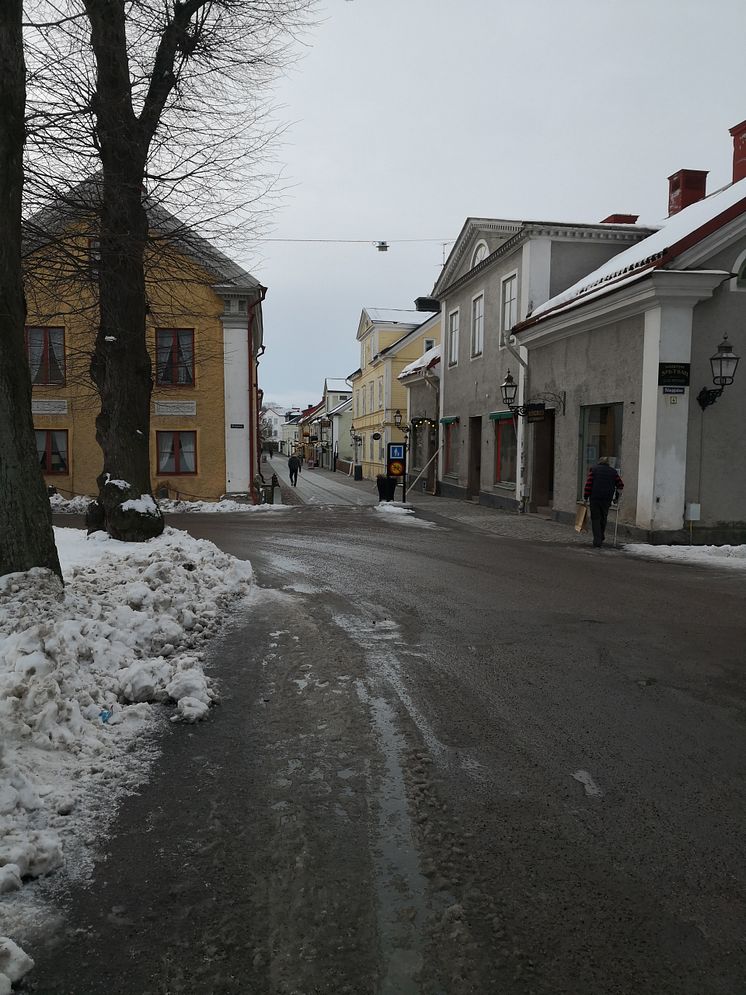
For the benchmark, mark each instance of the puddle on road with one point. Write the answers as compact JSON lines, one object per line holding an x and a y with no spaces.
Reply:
{"x":400,"y":884}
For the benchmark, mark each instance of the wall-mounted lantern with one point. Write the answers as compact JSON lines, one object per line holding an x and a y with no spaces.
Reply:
{"x":723,"y":364}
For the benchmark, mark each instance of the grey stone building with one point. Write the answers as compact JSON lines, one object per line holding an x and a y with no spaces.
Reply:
{"x":630,"y":347}
{"x":496,"y":274}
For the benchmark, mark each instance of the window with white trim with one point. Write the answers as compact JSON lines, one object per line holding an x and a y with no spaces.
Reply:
{"x":429,"y":344}
{"x":477,"y":326}
{"x":380,"y":392}
{"x":453,"y":338}
{"x":480,"y":252}
{"x":509,"y":306}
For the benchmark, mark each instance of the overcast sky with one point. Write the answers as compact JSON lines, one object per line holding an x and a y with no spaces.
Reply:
{"x":407,"y":116}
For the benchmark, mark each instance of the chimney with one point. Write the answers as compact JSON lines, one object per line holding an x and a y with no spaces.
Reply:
{"x":739,"y":151}
{"x":621,"y":219}
{"x":684,"y":188}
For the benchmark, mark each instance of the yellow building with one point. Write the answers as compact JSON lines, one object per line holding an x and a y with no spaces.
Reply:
{"x":389,"y":340}
{"x":204,"y":330}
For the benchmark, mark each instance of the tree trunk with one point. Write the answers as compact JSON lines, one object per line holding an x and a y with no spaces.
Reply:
{"x":26,"y":535}
{"x":120,"y":366}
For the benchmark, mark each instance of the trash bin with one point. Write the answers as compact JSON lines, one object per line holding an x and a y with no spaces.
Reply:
{"x":358,"y":472}
{"x":386,"y":487}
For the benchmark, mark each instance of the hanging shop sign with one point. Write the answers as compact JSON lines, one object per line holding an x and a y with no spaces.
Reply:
{"x":535,"y":411}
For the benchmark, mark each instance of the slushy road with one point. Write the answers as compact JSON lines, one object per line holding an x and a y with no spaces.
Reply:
{"x":445,"y":762}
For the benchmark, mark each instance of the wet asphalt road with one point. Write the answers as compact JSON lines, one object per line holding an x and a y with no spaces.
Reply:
{"x":444,"y":762}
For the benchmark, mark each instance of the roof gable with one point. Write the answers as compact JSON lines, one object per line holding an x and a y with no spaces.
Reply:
{"x":677,"y":235}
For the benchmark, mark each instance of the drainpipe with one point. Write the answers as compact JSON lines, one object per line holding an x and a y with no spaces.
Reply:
{"x":525,"y":497}
{"x":253,"y":396}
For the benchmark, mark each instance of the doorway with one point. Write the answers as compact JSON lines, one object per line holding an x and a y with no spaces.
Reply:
{"x":475,"y":458}
{"x":542,"y":491}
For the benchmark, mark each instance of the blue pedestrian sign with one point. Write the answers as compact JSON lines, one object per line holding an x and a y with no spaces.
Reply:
{"x":396,"y":451}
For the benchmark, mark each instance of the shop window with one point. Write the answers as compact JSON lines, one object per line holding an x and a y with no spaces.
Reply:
{"x":175,"y":357}
{"x":506,"y":451}
{"x":600,"y":435}
{"x":451,"y":448}
{"x":45,"y":349}
{"x":177,"y":452}
{"x":51,"y":448}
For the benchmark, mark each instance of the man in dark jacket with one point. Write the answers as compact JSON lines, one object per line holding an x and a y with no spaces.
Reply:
{"x":294,"y":468}
{"x":601,"y":487}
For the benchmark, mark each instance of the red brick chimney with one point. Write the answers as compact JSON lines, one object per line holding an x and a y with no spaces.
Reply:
{"x":621,"y":219}
{"x":739,"y":151}
{"x":685,"y":187}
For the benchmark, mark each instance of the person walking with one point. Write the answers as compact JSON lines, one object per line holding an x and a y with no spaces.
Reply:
{"x":601,"y":486}
{"x":294,"y":468}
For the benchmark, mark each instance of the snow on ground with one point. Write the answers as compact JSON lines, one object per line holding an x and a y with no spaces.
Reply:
{"x":713,"y":556}
{"x":82,"y":673}
{"x":401,"y":514}
{"x":78,"y":506}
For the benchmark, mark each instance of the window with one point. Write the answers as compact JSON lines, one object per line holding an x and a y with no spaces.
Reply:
{"x":477,"y":325}
{"x":177,"y":452}
{"x":481,"y":252}
{"x":365,"y":394}
{"x":370,"y":391}
{"x":450,"y":446}
{"x":381,"y":450}
{"x":506,"y":451}
{"x":738,"y":281}
{"x":600,"y":435}
{"x":453,"y":338}
{"x":372,"y":443}
{"x":175,"y":356}
{"x":51,"y":448}
{"x":429,"y":344}
{"x":380,"y":392}
{"x":509,"y":306}
{"x":94,"y":257}
{"x":45,"y":349}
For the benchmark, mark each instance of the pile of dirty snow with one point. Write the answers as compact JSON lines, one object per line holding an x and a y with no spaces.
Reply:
{"x":79,"y":505}
{"x":713,"y":556}
{"x":80,"y":673}
{"x":402,"y":514}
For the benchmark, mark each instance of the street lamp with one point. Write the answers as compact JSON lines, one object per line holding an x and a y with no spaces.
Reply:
{"x":723,"y":365}
{"x":508,"y":391}
{"x":405,"y":431}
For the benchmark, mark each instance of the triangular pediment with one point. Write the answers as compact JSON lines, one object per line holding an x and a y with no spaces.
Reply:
{"x":478,"y":238}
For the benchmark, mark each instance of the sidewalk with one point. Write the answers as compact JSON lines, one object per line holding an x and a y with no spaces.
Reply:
{"x":510,"y":524}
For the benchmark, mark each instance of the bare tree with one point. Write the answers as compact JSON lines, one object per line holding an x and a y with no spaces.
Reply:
{"x":159,"y":88}
{"x":26,"y":535}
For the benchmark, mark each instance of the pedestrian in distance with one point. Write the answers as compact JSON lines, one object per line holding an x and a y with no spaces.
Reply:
{"x":601,"y":488}
{"x":294,"y":468}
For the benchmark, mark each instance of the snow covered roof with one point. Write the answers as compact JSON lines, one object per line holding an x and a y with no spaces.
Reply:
{"x":337,"y":385}
{"x":400,"y":316}
{"x":424,"y":362}
{"x":677,"y":233}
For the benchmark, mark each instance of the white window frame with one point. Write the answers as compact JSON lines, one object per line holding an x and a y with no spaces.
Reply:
{"x":371,"y":398}
{"x":737,"y":267}
{"x":380,"y":392}
{"x":429,"y":344}
{"x":480,"y":244}
{"x":477,"y":353}
{"x":505,"y":280}
{"x":453,"y":336}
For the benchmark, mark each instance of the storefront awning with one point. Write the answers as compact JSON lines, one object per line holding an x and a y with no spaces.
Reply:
{"x":500,"y":415}
{"x":449,"y":420}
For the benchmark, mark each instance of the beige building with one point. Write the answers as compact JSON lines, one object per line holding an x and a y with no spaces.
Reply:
{"x":204,"y":331}
{"x":389,"y":340}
